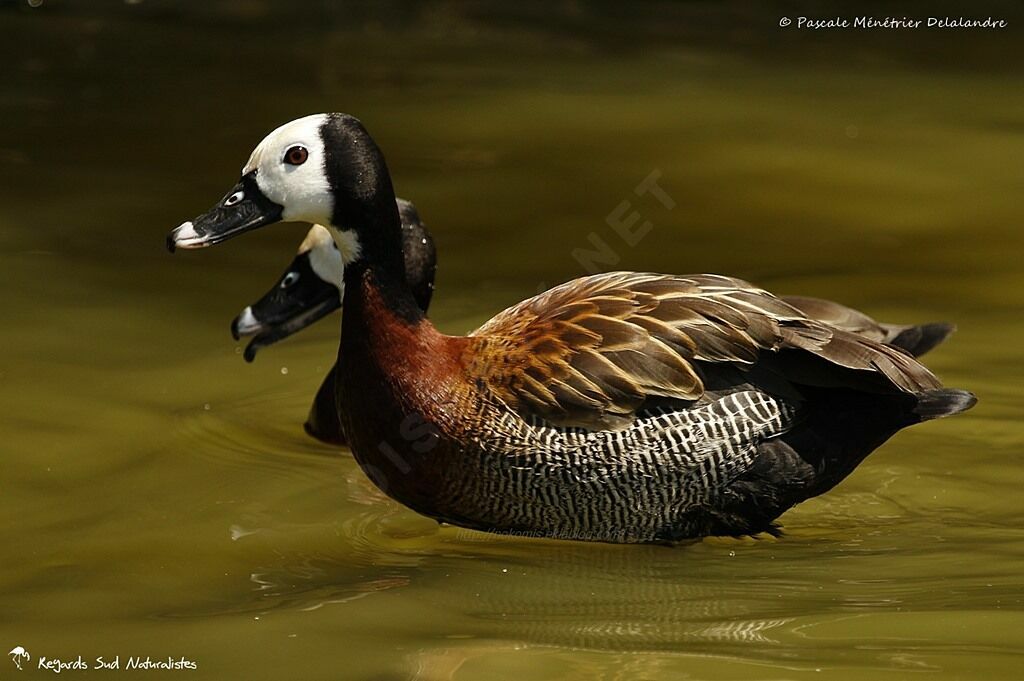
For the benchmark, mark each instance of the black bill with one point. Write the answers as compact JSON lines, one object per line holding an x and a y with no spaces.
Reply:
{"x":298,"y":299}
{"x":242,"y":209}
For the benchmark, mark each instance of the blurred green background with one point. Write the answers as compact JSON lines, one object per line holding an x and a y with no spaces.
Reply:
{"x":158,"y":496}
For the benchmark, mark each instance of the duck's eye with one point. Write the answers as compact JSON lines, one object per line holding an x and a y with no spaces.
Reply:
{"x":296,"y":156}
{"x":289,"y":279}
{"x":234,"y":198}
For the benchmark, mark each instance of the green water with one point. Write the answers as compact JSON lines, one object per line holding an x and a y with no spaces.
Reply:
{"x":158,"y":496}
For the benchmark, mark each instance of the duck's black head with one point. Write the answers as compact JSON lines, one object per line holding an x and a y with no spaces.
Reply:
{"x":324,"y":169}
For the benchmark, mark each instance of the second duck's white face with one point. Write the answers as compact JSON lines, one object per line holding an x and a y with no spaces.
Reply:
{"x":289,"y":165}
{"x":324,"y":256}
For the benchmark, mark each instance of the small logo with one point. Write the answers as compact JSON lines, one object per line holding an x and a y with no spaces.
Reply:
{"x":18,"y":655}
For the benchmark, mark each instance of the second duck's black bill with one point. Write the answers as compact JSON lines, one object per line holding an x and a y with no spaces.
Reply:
{"x":273,"y":334}
{"x":242,"y":209}
{"x":297,"y":299}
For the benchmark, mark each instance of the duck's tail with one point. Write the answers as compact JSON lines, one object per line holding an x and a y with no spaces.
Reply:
{"x":937,"y":404}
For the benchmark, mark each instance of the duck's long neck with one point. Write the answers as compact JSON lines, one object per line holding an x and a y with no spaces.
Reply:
{"x":396,"y":375}
{"x":382,"y":280}
{"x":387,"y":353}
{"x":364,"y":217}
{"x":381,"y":318}
{"x":374,"y":250}
{"x":385,"y":336}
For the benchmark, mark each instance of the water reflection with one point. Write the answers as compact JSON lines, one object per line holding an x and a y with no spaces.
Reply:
{"x":756,"y":600}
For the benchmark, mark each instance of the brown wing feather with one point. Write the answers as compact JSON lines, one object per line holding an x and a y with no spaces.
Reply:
{"x":839,"y":316}
{"x":591,"y":351}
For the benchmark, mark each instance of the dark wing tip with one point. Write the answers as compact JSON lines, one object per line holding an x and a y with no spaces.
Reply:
{"x":917,"y":340}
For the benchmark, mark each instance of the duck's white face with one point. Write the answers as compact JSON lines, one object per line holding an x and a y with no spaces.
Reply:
{"x":289,"y":170}
{"x":284,"y":179}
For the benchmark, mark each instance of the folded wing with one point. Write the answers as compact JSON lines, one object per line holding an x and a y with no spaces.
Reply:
{"x":591,"y":351}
